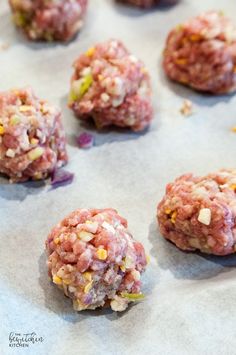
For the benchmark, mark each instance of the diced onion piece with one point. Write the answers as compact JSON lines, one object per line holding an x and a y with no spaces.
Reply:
{"x":119,"y":304}
{"x":61,"y":177}
{"x":85,"y":140}
{"x":10,"y":153}
{"x":85,"y":236}
{"x":108,"y":227}
{"x":204,"y":216}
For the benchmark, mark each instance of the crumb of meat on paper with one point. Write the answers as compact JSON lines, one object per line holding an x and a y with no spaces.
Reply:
{"x":4,"y":46}
{"x":187,"y":108}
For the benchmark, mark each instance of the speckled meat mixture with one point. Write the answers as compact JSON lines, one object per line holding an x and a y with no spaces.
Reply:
{"x":49,"y":19}
{"x":32,"y":139}
{"x":111,"y":86}
{"x":201,"y":53}
{"x":94,"y":259}
{"x":199,"y":213}
{"x":149,"y":3}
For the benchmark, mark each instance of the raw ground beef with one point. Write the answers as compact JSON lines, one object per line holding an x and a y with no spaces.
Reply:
{"x":94,"y":259}
{"x":201,"y":53}
{"x":199,"y":213}
{"x":111,"y":86}
{"x":32,"y":139}
{"x":49,"y":20}
{"x":149,"y":3}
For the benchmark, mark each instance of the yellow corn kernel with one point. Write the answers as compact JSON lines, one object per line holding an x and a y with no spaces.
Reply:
{"x":56,"y":240}
{"x":88,"y":276}
{"x":66,"y":282}
{"x":122,"y":267}
{"x":233,"y":187}
{"x":57,"y":280}
{"x":90,"y":52}
{"x":183,"y":80}
{"x":195,"y":38}
{"x":2,"y":130}
{"x":148,"y":259}
{"x":181,"y":61}
{"x":100,"y":77}
{"x":173,"y":217}
{"x":37,"y":176}
{"x":167,"y":211}
{"x":35,"y":153}
{"x":25,"y":108}
{"x":34,"y":141}
{"x":102,"y":254}
{"x":88,"y":287}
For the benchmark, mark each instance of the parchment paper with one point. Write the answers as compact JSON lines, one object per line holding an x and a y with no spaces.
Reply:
{"x":190,"y":298}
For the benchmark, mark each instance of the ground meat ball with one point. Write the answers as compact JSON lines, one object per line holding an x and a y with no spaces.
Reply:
{"x":200,"y":213}
{"x":111,"y":86}
{"x":94,"y":259}
{"x":149,"y":3}
{"x":49,"y":20}
{"x":32,"y":139}
{"x":201,"y":53}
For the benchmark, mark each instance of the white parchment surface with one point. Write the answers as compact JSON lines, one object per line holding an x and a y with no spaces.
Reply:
{"x":190,"y":305}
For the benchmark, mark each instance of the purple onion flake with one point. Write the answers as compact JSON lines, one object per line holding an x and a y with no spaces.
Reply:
{"x":85,"y":140}
{"x":61,"y":177}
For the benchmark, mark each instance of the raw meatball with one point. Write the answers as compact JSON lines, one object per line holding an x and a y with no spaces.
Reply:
{"x":94,"y":259}
{"x":32,"y":139}
{"x":49,"y":20}
{"x":201,"y":53}
{"x":111,"y":86}
{"x":149,"y":3}
{"x":200,"y":213}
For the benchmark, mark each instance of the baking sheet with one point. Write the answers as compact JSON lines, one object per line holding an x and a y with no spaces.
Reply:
{"x":190,"y":298}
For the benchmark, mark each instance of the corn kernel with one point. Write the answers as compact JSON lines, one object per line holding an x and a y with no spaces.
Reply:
{"x":122,"y":267}
{"x":38,"y":176}
{"x":173,"y":217}
{"x":233,"y":187}
{"x":25,"y":108}
{"x":2,"y":130}
{"x":90,"y":52}
{"x":88,"y":287}
{"x":56,"y":240}
{"x":66,"y":282}
{"x":34,"y":141}
{"x":167,"y":211}
{"x":195,"y":38}
{"x":57,"y":280}
{"x":35,"y":153}
{"x":148,"y":259}
{"x":181,"y":61}
{"x":102,"y":254}
{"x":88,"y":276}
